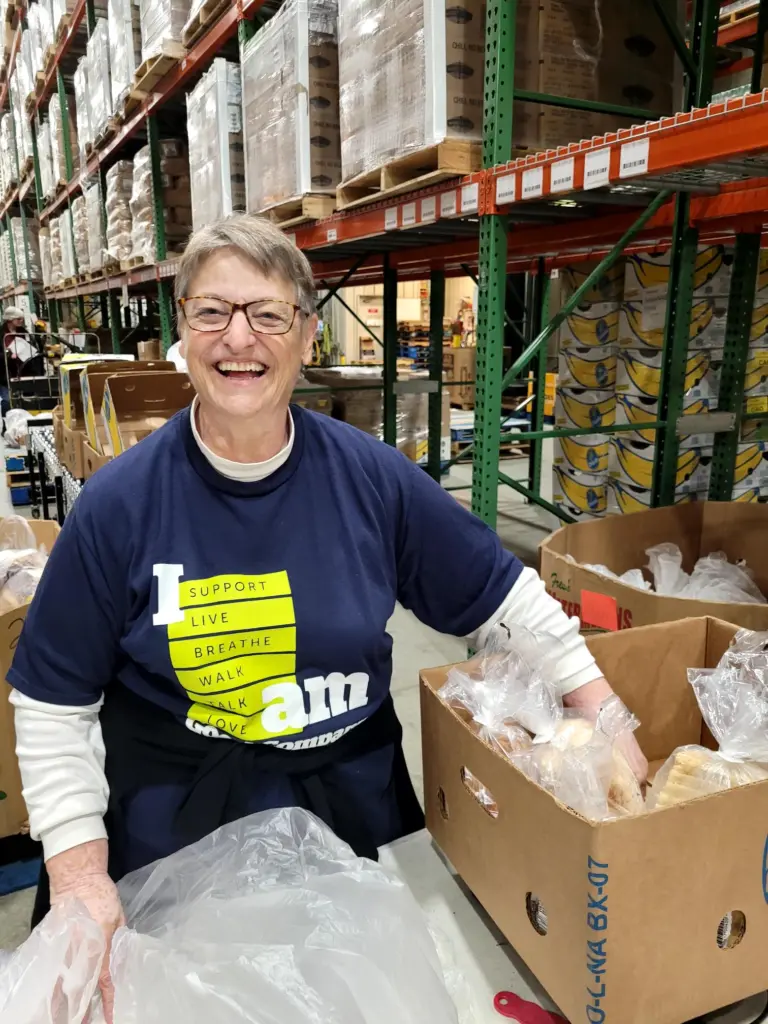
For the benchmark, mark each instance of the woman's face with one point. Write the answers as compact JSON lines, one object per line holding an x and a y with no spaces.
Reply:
{"x":271,"y":363}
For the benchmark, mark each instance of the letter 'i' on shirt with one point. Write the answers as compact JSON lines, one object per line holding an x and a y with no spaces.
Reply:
{"x":255,"y":610}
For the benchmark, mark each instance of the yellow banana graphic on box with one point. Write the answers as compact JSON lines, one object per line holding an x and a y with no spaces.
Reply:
{"x":590,"y":373}
{"x":747,"y":462}
{"x":586,"y":458}
{"x":583,"y":497}
{"x":638,"y":466}
{"x":639,"y":410}
{"x":753,"y":494}
{"x":594,"y":331}
{"x":609,"y":285}
{"x":654,"y":275}
{"x":628,"y":498}
{"x":597,"y":414}
{"x":702,"y":314}
{"x":756,"y":372}
{"x":760,"y":319}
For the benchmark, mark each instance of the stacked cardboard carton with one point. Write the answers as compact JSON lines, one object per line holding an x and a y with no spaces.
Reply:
{"x":586,"y":395}
{"x":57,"y":129}
{"x":124,"y":46}
{"x":176,"y":200}
{"x":162,"y":25}
{"x":68,"y":265}
{"x":45,"y":256}
{"x":95,"y":227}
{"x":8,"y":174}
{"x":215,"y":132}
{"x":57,"y":268}
{"x":119,"y":184}
{"x":20,"y":123}
{"x":99,"y":82}
{"x":45,"y":159}
{"x":27,"y":258}
{"x":291,"y":96}
{"x":80,"y":234}
{"x":6,"y":268}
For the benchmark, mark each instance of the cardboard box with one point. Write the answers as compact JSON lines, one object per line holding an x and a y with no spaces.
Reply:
{"x":58,"y":420}
{"x":638,"y":409}
{"x":587,"y":367}
{"x":632,"y":462}
{"x":149,"y":350}
{"x":72,"y":450}
{"x":712,"y":276}
{"x":92,"y":381}
{"x":625,"y":498}
{"x":136,"y":404}
{"x":642,"y":322}
{"x":93,"y":460}
{"x":620,"y":543}
{"x":639,"y":373}
{"x":591,"y":325}
{"x":583,"y":407}
{"x":13,"y":812}
{"x":633,"y":906}
{"x":459,"y":365}
{"x":69,"y":381}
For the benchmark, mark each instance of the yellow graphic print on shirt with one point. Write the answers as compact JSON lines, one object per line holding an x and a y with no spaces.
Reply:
{"x":235,"y":655}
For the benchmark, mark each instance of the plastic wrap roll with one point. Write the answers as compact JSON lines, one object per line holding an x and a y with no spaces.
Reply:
{"x":214,"y":129}
{"x":291,"y":95}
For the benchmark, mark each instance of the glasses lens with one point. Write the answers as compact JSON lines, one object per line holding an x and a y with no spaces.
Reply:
{"x":271,"y":316}
{"x":207,"y":314}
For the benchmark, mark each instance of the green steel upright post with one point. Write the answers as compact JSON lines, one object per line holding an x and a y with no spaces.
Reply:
{"x":738,"y":329}
{"x":492,"y":263}
{"x":436,"y":315}
{"x":164,"y":297}
{"x":538,"y":314}
{"x":704,"y":29}
{"x":53,"y":315}
{"x":390,"y":353}
{"x":113,"y":315}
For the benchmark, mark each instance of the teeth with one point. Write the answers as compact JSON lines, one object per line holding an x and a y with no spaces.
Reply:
{"x":231,"y":367}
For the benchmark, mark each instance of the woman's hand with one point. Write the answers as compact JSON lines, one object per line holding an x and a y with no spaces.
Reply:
{"x":588,"y":699}
{"x":81,"y":873}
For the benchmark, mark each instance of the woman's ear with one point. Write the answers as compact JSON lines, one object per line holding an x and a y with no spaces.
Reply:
{"x":309,"y":339}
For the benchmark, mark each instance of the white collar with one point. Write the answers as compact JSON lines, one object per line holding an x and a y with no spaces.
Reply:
{"x":246,"y":472}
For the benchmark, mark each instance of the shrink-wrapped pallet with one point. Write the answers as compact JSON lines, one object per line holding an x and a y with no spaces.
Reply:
{"x":291,"y":97}
{"x":214,"y":129}
{"x":99,"y":87}
{"x":176,"y":200}
{"x":124,"y":46}
{"x":80,"y":234}
{"x":45,"y":160}
{"x":7,"y":152}
{"x":119,"y":183}
{"x":67,"y":246}
{"x":40,"y":27}
{"x":56,"y":123}
{"x":20,"y":123}
{"x":27,"y":257}
{"x":45,"y":256}
{"x":95,"y":227}
{"x":57,"y":269}
{"x":83,"y":107}
{"x":162,"y":26}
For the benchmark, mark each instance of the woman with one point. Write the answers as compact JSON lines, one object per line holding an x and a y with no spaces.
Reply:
{"x":212,"y":620}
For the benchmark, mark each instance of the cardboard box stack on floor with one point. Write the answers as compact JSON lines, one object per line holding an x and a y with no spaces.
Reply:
{"x":364,"y":408}
{"x":290,"y":72}
{"x":13,"y":811}
{"x":215,"y":132}
{"x":620,"y":543}
{"x":176,"y":200}
{"x":661,"y":916}
{"x":586,"y":390}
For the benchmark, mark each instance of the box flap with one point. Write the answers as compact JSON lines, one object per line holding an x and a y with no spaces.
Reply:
{"x":136,"y":404}
{"x":93,"y":379}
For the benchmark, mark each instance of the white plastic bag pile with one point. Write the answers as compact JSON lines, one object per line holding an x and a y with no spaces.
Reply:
{"x":270,"y":920}
{"x":21,"y":563}
{"x":733,"y":700}
{"x":714,"y":578}
{"x":509,"y":699}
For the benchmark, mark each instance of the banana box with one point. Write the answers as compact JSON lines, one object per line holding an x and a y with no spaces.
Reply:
{"x":610,"y":287}
{"x":591,"y":325}
{"x":751,"y":495}
{"x":751,"y":469}
{"x":712,"y":274}
{"x":583,"y":499}
{"x":639,"y":373}
{"x":624,"y":498}
{"x":587,"y":367}
{"x":632,"y":462}
{"x":759,"y":334}
{"x":583,"y":408}
{"x":756,"y":373}
{"x":637,"y":409}
{"x":761,"y":291}
{"x":642,"y":323}
{"x":585,"y":456}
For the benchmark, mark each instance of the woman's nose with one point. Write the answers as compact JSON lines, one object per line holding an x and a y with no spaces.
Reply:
{"x":239,"y":334}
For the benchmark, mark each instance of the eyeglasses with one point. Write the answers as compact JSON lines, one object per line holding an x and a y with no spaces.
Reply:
{"x":268,"y":316}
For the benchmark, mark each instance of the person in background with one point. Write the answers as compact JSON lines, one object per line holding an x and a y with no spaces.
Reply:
{"x":209,"y":638}
{"x":14,"y":331}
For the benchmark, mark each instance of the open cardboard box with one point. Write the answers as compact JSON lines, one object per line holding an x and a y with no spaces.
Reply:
{"x":633,"y":906}
{"x":93,"y":379}
{"x":620,"y":542}
{"x":69,"y":380}
{"x":136,"y":404}
{"x":13,"y":812}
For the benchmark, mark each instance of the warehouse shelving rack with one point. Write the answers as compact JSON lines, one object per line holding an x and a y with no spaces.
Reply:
{"x":699,"y":175}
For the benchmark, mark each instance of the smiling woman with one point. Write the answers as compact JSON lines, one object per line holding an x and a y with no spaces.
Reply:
{"x":209,"y":638}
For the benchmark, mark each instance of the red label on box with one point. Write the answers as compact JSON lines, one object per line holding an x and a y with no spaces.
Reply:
{"x":599,"y":610}
{"x":507,"y":1004}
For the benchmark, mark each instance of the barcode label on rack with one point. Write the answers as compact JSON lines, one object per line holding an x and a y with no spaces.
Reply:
{"x":597,"y":168}
{"x":331,"y":235}
{"x":390,"y":218}
{"x":562,"y":174}
{"x":506,"y":188}
{"x":469,"y":197}
{"x":533,"y":182}
{"x":428,"y":209}
{"x":409,"y":215}
{"x":634,"y":158}
{"x":448,"y":204}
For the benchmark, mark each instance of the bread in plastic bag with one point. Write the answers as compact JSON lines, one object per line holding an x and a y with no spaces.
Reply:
{"x":714,"y":578}
{"x":733,"y":700}
{"x":16,"y":427}
{"x":632,"y":577}
{"x":270,"y":920}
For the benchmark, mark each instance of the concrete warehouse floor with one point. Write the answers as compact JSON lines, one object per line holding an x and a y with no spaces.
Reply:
{"x":415,"y":647}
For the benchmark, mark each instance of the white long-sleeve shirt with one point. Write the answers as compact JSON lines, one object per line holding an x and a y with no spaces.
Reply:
{"x":61,"y":749}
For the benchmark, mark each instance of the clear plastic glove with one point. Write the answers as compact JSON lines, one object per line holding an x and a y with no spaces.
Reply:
{"x":81,"y":874}
{"x":588,"y":701}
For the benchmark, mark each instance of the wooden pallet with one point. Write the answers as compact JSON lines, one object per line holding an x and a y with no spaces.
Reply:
{"x":733,"y":17}
{"x":26,"y":167}
{"x":132,"y":262}
{"x":300,"y":210}
{"x":451,"y":159}
{"x":210,"y":12}
{"x":105,"y":134}
{"x":49,"y":57}
{"x":63,"y":27}
{"x":152,"y":70}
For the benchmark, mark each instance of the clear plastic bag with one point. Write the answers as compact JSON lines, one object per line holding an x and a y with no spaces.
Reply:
{"x":632,"y":577}
{"x":733,"y":700}
{"x":270,"y":920}
{"x":16,"y":421}
{"x":714,"y":578}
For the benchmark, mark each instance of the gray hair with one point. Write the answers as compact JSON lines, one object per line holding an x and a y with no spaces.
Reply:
{"x":261,"y":242}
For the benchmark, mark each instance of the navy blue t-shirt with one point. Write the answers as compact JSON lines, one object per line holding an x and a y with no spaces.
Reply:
{"x":254,"y":610}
